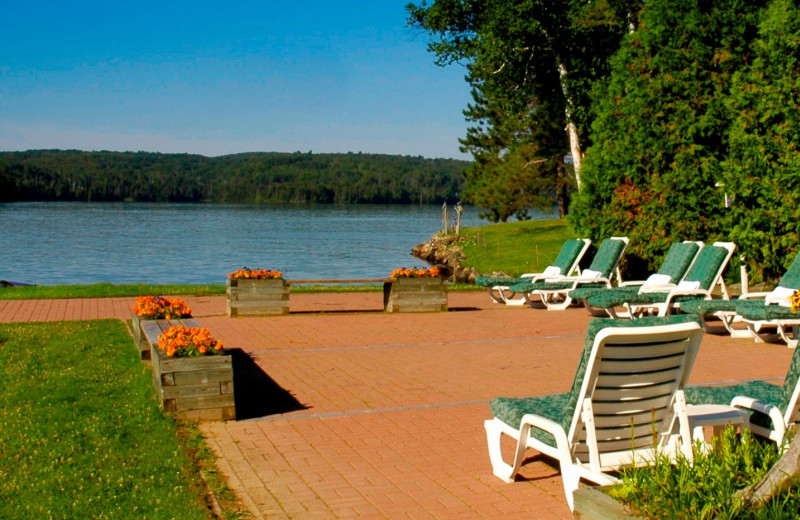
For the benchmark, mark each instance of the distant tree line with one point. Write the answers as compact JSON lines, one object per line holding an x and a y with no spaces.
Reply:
{"x":253,"y":178}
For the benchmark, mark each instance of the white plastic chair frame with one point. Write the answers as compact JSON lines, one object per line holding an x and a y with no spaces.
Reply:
{"x":620,"y":406}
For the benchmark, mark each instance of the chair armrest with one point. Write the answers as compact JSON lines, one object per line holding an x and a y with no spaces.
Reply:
{"x":753,"y":295}
{"x":773,"y":412}
{"x":657,"y":288}
{"x":631,"y":283}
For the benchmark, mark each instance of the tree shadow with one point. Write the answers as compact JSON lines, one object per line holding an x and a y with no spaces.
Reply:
{"x":255,"y":393}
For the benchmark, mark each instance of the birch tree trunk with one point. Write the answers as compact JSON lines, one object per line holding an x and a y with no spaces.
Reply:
{"x":572,"y":130}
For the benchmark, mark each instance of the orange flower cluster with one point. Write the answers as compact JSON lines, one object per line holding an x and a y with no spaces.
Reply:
{"x":254,"y":274}
{"x":403,"y":272}
{"x":180,"y":341}
{"x":795,"y":301}
{"x":160,"y":308}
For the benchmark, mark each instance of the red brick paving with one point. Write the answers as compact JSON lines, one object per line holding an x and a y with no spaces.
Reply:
{"x":391,"y":424}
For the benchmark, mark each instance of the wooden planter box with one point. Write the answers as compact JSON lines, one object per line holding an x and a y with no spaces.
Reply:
{"x":198,"y":388}
{"x":415,"y":295}
{"x":138,"y":338}
{"x":594,"y":503}
{"x":257,"y":297}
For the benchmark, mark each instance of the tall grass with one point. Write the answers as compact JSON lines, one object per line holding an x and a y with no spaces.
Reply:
{"x":81,"y":435}
{"x":705,"y":488}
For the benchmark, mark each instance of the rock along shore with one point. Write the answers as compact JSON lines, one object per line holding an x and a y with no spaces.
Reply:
{"x":445,"y":253}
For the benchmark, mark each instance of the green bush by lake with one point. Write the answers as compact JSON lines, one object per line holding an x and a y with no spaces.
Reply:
{"x":82,"y":436}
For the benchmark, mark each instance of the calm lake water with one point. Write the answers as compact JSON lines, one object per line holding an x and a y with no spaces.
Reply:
{"x":81,"y":243}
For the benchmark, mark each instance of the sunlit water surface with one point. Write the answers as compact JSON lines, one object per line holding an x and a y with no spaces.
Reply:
{"x":80,"y":243}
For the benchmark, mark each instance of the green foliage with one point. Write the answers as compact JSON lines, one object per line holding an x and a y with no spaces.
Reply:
{"x":661,"y":127}
{"x":257,"y":178}
{"x":705,"y":488}
{"x":530,"y":64}
{"x":515,"y":247}
{"x":762,"y":173}
{"x":82,"y":436}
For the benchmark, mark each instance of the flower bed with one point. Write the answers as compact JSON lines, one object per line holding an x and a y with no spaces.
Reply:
{"x":415,"y":290}
{"x":192,"y":371}
{"x":155,"y":308}
{"x":256,"y":292}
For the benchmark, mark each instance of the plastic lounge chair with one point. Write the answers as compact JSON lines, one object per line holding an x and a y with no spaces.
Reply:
{"x":774,"y":408}
{"x":705,"y":273}
{"x":554,"y":293}
{"x":764,"y":324}
{"x":628,"y":384}
{"x":673,"y":269}
{"x":565,"y":264}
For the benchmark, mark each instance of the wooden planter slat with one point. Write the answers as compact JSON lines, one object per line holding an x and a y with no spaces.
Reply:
{"x":257,"y":297}
{"x":199,"y":388}
{"x":594,"y":503}
{"x":415,"y":295}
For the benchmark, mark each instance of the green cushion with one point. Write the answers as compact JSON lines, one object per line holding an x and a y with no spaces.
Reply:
{"x":766,"y":312}
{"x":615,"y":297}
{"x":491,"y":281}
{"x":582,"y":293}
{"x":526,"y":287}
{"x":560,"y":408}
{"x":705,"y":268}
{"x":568,"y":255}
{"x":702,"y":307}
{"x":607,"y":257}
{"x":791,"y":280}
{"x":678,"y":259}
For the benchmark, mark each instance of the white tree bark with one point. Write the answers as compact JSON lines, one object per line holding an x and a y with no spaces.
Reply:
{"x":572,"y":130}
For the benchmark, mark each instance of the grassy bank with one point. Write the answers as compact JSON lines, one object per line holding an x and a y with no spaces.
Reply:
{"x":515,"y":247}
{"x":82,"y":435}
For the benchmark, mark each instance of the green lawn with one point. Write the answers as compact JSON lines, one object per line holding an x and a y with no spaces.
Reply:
{"x":515,"y":247}
{"x":82,"y":435}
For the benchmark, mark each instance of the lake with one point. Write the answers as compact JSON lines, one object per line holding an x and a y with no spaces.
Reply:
{"x":50,"y":243}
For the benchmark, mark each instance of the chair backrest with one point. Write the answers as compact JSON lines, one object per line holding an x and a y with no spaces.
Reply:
{"x":608,"y":255}
{"x":629,"y":378}
{"x":570,"y":255}
{"x":791,"y":278}
{"x":710,"y":263}
{"x":679,"y":259}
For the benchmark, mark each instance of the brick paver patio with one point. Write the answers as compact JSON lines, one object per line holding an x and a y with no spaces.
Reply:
{"x":353,"y":413}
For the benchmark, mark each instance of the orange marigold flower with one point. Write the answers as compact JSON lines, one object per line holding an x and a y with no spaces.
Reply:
{"x":181,"y":341}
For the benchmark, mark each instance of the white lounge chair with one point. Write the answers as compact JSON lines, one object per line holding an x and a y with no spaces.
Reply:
{"x":565,"y":264}
{"x":628,"y":384}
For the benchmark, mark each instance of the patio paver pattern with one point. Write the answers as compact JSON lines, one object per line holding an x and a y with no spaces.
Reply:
{"x":388,"y":409}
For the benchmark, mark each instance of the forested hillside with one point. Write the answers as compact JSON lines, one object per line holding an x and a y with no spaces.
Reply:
{"x":258,"y":178}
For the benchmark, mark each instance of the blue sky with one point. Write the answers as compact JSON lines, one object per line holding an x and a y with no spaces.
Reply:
{"x":215,"y":78}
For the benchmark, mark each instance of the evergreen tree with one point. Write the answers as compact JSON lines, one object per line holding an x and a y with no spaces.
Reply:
{"x":762,"y":174}
{"x":530,"y":64}
{"x":661,"y":127}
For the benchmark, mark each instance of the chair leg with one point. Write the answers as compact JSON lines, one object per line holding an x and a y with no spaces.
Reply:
{"x":500,"y":468}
